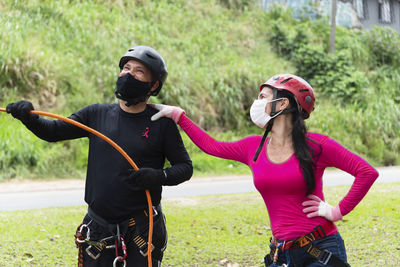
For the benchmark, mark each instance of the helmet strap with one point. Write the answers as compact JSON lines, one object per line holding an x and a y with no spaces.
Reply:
{"x":267,"y":130}
{"x":135,"y":101}
{"x":273,"y":106}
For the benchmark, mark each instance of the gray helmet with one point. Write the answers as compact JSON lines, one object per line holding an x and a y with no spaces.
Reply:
{"x":151,"y":59}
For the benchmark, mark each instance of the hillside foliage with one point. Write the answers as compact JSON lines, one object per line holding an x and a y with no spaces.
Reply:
{"x":63,"y":55}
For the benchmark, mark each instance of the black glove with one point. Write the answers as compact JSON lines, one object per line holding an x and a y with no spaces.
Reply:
{"x":21,"y":110}
{"x":148,"y":177}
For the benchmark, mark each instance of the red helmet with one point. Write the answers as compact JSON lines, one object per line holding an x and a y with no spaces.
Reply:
{"x":302,"y":90}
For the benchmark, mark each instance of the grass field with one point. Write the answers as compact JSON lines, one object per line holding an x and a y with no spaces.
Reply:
{"x":209,"y":231}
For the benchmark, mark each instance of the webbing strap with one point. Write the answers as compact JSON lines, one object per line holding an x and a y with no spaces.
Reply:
{"x":325,"y":257}
{"x":79,"y":235}
{"x":142,"y":245}
{"x":156,"y":253}
{"x":260,"y":146}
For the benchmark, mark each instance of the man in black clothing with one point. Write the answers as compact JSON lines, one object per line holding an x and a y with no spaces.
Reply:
{"x":115,"y":193}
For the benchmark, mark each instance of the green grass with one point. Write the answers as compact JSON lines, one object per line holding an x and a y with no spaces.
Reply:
{"x":206,"y":231}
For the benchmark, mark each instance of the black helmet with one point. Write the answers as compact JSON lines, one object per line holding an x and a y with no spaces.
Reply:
{"x":151,"y":59}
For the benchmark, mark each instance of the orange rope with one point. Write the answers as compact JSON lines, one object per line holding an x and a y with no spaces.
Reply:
{"x":120,"y":150}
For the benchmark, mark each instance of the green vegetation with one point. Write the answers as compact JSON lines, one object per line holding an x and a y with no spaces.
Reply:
{"x":209,"y":231}
{"x":63,"y":55}
{"x":358,"y":86}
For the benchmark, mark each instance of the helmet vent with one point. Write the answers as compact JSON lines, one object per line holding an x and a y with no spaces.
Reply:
{"x":303,"y":90}
{"x":130,"y":50}
{"x":285,"y":81}
{"x":150,"y":56}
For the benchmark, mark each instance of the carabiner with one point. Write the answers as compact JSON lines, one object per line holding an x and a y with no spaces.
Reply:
{"x":119,"y":258}
{"x":87,"y":233}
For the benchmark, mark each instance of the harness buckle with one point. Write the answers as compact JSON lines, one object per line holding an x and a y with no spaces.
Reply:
{"x":303,"y":241}
{"x":144,"y":254}
{"x":91,"y":252}
{"x":325,"y":257}
{"x":155,"y":211}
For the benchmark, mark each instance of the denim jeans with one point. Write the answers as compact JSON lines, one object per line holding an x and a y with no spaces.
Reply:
{"x":300,"y":258}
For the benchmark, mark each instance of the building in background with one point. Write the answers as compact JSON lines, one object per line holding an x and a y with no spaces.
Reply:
{"x":351,"y":13}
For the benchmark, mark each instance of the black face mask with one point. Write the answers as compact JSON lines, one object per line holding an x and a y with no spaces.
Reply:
{"x":132,"y":90}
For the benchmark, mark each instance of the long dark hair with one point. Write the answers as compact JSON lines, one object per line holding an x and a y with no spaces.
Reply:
{"x":303,"y":151}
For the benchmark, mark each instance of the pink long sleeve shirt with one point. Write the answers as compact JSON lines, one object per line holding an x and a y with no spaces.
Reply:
{"x":282,"y":186}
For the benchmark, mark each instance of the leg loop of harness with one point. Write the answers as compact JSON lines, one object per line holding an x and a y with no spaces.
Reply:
{"x":139,"y":236}
{"x":325,"y":257}
{"x":142,"y":245}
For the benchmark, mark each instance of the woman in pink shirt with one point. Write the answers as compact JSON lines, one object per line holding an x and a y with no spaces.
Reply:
{"x":287,"y":168}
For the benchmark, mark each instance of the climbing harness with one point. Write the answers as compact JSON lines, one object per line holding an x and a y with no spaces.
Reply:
{"x":323,"y":256}
{"x":121,"y":235}
{"x":131,"y":162}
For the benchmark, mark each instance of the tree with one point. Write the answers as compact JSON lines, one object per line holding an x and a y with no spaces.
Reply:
{"x":355,"y":20}
{"x":332,"y":36}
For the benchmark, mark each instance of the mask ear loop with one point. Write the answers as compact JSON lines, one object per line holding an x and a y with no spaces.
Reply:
{"x":157,"y":90}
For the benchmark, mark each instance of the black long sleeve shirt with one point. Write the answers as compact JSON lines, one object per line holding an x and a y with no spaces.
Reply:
{"x":109,"y":191}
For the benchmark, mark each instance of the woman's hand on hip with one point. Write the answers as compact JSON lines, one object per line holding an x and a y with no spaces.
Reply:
{"x":316,"y":207}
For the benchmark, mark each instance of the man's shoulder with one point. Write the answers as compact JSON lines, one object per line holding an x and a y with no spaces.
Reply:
{"x":95,"y":110}
{"x":163,"y":120}
{"x":151,"y":110}
{"x":98,"y":107}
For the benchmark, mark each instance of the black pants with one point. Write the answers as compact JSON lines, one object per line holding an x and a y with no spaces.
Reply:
{"x":134,"y":257}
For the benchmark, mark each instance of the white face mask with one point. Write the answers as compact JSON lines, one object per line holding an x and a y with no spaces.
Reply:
{"x":258,"y":114}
